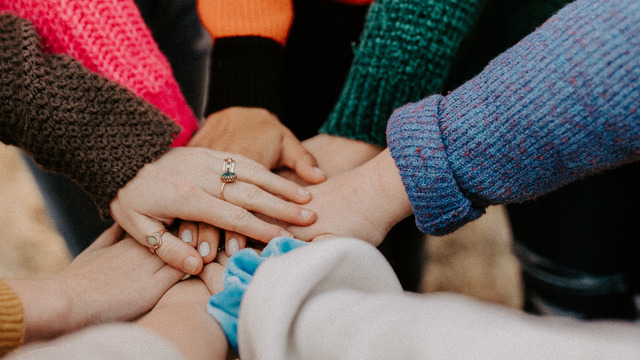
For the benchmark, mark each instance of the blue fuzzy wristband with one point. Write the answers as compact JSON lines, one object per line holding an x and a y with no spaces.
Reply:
{"x":225,"y":305}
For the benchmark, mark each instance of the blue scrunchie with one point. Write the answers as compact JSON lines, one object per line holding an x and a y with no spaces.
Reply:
{"x":225,"y":305}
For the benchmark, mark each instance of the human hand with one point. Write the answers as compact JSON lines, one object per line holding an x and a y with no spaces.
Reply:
{"x":337,"y":154}
{"x":363,"y":203}
{"x":181,"y":315}
{"x":112,"y":280}
{"x":258,"y":134}
{"x":185,"y":183}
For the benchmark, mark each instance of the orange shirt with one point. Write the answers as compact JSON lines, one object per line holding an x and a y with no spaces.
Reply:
{"x":265,"y":18}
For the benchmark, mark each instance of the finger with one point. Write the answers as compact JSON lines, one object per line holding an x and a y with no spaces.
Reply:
{"x":212,"y":276}
{"x":222,"y":258}
{"x":253,"y":198}
{"x":234,"y":242}
{"x":227,"y":216}
{"x":208,"y":240}
{"x":251,"y":172}
{"x":323,"y":237}
{"x":168,"y":275}
{"x":297,"y":158}
{"x":109,"y":237}
{"x":188,"y":232}
{"x":171,"y":250}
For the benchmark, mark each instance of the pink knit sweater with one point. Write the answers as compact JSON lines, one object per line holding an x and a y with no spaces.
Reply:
{"x":111,"y":39}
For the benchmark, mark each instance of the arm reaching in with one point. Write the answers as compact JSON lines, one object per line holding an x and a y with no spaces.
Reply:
{"x":363,"y":203}
{"x":112,"y":280}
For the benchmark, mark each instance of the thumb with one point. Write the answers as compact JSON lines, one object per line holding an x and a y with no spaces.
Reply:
{"x":297,"y":158}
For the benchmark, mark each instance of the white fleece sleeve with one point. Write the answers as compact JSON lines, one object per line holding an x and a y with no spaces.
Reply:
{"x":339,"y":299}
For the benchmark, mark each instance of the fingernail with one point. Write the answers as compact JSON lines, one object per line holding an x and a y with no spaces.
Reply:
{"x":190,"y":263}
{"x":233,"y":247}
{"x":285,"y":233}
{"x":303,"y":192}
{"x":204,"y":249}
{"x":306,"y":213}
{"x":318,"y":170}
{"x":186,"y":236}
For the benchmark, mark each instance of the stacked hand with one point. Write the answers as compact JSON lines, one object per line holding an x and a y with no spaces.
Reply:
{"x":258,"y":135}
{"x":185,"y":183}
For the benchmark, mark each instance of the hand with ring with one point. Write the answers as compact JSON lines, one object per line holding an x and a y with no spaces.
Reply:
{"x":187,"y":183}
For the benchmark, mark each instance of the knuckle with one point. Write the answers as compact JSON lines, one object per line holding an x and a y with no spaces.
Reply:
{"x":238,"y":214}
{"x":252,"y":193}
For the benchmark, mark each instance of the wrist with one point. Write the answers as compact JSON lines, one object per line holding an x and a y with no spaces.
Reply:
{"x":393,"y":204}
{"x":182,"y":318}
{"x":46,"y":308}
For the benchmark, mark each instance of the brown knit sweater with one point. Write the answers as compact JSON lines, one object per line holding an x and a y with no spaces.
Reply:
{"x":72,"y":121}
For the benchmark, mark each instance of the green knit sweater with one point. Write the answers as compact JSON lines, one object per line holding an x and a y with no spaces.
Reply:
{"x":409,"y":48}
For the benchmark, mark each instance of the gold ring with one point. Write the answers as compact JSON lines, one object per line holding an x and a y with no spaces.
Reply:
{"x":228,"y":175}
{"x":155,"y":241}
{"x":222,"y":191}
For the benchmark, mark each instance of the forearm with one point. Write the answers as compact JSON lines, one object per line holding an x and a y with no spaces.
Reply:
{"x":404,"y":54}
{"x":558,"y":106}
{"x":72,"y":121}
{"x":192,"y":330}
{"x":185,"y":322}
{"x":45,"y":307}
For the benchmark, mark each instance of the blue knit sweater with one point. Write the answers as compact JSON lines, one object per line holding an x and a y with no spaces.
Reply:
{"x":561,"y":104}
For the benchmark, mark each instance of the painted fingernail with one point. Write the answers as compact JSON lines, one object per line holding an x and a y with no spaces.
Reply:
{"x":303,"y":192}
{"x":285,"y":233}
{"x":204,"y":249}
{"x":306,"y":213}
{"x":318,"y":170}
{"x":190,"y":264}
{"x":233,"y":247}
{"x":186,"y":236}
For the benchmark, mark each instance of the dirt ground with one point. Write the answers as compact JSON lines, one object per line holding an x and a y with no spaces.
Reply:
{"x":476,"y":260}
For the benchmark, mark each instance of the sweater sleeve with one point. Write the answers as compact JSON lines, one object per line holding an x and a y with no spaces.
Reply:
{"x":558,"y":106}
{"x":72,"y":121}
{"x":11,"y":319}
{"x":248,"y":51}
{"x":111,"y":39}
{"x":404,"y":54}
{"x":340,"y":299}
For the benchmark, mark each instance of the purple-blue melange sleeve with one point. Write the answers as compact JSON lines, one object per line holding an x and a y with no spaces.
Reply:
{"x":561,"y":104}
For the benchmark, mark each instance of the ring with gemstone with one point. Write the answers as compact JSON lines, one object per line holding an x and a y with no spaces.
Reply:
{"x":155,"y":241}
{"x":228,"y":175}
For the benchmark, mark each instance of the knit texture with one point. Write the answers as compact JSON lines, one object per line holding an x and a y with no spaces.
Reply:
{"x":72,"y":121}
{"x":246,"y":71}
{"x":404,"y":54}
{"x":500,"y":25}
{"x":11,"y":319}
{"x":246,"y":66}
{"x":111,"y":39}
{"x":558,"y":106}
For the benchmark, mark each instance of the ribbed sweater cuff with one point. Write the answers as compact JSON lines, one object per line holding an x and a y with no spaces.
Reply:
{"x":246,"y":71}
{"x":416,"y":145}
{"x":11,"y":319}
